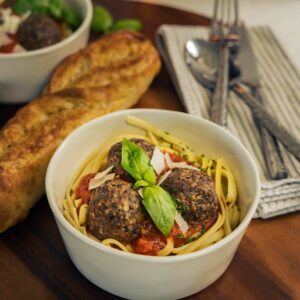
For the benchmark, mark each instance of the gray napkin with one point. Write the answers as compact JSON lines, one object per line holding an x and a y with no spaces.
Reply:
{"x":281,"y":88}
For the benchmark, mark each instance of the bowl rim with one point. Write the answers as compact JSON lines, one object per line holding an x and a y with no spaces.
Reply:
{"x":139,"y":257}
{"x":84,"y":24}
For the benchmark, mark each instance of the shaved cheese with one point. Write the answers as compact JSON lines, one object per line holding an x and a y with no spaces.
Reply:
{"x":164,"y":177}
{"x":186,"y":166}
{"x":103,"y":173}
{"x":183,"y":225}
{"x":179,"y":165}
{"x":168,"y":160}
{"x":14,"y":24}
{"x":19,"y":49}
{"x":94,"y":183}
{"x":157,"y":161}
{"x":10,"y":22}
{"x":4,"y":39}
{"x":25,"y":16}
{"x":140,"y":192}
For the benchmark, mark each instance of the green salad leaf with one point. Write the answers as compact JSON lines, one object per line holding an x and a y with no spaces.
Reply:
{"x":132,"y":24}
{"x":136,"y":162}
{"x":71,"y":17}
{"x":40,"y":10}
{"x":102,"y":20}
{"x":161,"y":207}
{"x":56,"y":8}
{"x":53,"y":8}
{"x":22,"y":6}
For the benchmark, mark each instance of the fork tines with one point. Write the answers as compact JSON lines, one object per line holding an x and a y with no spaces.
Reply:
{"x":225,"y":22}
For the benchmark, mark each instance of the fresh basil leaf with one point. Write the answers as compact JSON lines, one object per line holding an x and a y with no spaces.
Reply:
{"x":132,"y":24}
{"x":40,"y":10}
{"x":140,"y":183}
{"x":102,"y":19}
{"x":39,"y":2}
{"x":149,"y":175}
{"x":39,"y":7}
{"x":55,"y":8}
{"x":71,"y":17}
{"x":161,"y":208}
{"x":22,"y":6}
{"x":136,"y":162}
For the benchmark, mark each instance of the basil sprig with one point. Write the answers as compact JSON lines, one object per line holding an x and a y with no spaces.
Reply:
{"x":137,"y":163}
{"x":160,"y":206}
{"x":158,"y":202}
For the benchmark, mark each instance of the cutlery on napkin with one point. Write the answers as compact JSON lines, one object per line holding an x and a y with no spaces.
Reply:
{"x":280,"y":84}
{"x":249,"y":76}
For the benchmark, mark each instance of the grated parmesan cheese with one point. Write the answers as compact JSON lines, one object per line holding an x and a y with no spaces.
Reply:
{"x":179,"y":165}
{"x":158,"y":161}
{"x":183,"y":225}
{"x":94,"y":183}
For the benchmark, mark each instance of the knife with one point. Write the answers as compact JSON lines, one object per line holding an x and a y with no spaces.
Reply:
{"x":249,"y":76}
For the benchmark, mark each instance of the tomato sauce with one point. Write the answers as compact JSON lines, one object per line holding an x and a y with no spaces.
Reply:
{"x":9,"y":48}
{"x":82,"y":190}
{"x":176,"y":158}
{"x":150,"y":240}
{"x":177,"y":236}
{"x":180,"y":239}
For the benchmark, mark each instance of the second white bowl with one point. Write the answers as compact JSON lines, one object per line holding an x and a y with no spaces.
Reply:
{"x":23,"y":75}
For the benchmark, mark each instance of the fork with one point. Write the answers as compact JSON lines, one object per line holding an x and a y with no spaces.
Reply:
{"x":224,"y":32}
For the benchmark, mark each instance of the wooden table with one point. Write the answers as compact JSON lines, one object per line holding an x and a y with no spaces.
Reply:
{"x":34,"y":263}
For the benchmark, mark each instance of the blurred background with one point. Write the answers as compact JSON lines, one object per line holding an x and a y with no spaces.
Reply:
{"x":283,"y":16}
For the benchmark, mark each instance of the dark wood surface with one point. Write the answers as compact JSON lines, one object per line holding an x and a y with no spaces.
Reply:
{"x":34,"y":263}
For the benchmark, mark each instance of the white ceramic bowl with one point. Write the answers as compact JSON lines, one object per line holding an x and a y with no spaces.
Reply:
{"x":23,"y":75}
{"x":136,"y":276}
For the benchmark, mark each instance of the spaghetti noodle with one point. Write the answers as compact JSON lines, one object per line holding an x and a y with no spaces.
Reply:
{"x":75,"y":210}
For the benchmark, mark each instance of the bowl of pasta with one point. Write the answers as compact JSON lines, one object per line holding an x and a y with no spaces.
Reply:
{"x":35,"y":36}
{"x":152,"y":204}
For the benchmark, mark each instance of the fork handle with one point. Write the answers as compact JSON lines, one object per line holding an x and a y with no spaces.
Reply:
{"x":276,"y":168}
{"x":267,"y":120}
{"x":219,"y":99}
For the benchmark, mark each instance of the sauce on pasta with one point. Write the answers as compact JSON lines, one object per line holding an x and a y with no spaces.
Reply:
{"x":151,"y":240}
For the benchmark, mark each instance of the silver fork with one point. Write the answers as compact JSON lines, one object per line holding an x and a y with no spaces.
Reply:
{"x":224,"y":32}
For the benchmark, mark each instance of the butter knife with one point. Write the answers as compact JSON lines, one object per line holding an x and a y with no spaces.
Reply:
{"x":249,"y":76}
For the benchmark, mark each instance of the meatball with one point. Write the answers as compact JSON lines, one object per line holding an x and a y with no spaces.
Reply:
{"x":115,"y":156}
{"x":196,"y":195}
{"x":38,"y":31}
{"x":115,"y":211}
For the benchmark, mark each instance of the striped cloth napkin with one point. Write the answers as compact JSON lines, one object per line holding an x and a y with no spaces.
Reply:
{"x":280,"y":85}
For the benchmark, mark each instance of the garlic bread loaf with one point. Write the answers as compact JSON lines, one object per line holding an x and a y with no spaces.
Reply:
{"x":110,"y":74}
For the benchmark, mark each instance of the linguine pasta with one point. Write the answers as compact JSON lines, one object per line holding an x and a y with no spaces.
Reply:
{"x":75,"y":210}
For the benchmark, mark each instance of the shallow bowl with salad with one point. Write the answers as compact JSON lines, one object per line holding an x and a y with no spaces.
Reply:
{"x":35,"y":35}
{"x":152,"y":204}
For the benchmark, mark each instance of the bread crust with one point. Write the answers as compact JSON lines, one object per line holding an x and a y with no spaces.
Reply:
{"x":110,"y":74}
